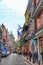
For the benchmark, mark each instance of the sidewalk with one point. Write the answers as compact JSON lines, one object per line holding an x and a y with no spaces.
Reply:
{"x":25,"y":58}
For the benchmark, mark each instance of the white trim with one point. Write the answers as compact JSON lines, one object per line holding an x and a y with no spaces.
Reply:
{"x":35,"y":37}
{"x":39,"y":32}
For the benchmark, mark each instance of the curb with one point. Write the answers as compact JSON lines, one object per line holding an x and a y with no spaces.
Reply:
{"x":27,"y":60}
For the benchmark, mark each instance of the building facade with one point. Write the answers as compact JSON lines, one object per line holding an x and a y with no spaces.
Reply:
{"x":38,"y":15}
{"x":35,"y":27}
{"x":4,"y":35}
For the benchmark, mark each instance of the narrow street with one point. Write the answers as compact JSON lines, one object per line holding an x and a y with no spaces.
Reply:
{"x":13,"y":59}
{"x":21,"y":32}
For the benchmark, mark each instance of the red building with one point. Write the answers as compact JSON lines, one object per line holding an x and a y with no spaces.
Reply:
{"x":4,"y":34}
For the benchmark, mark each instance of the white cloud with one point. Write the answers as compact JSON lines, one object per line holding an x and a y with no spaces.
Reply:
{"x":19,"y":5}
{"x":12,"y":12}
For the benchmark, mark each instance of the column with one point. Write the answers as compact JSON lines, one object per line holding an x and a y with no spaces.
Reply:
{"x":38,"y":51}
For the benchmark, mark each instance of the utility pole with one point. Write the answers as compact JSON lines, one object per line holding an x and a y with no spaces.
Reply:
{"x":0,"y":42}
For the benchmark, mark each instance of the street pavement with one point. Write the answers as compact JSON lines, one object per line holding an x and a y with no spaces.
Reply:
{"x":13,"y":59}
{"x":30,"y":62}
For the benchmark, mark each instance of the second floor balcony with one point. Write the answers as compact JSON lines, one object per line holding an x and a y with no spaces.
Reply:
{"x":38,"y":8}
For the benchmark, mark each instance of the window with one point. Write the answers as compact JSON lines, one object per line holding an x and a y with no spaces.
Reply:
{"x":37,"y":1}
{"x":38,"y":23}
{"x":42,"y":18}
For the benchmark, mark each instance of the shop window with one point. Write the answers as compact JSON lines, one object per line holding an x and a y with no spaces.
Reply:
{"x":37,"y":1}
{"x":34,"y":3}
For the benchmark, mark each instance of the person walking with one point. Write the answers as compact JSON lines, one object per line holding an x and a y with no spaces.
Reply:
{"x":30,"y":55}
{"x":36,"y":56}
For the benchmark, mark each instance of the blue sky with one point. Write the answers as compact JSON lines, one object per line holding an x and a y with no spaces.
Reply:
{"x":12,"y":14}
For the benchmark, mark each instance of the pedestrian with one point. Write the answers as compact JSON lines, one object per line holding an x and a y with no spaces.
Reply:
{"x":27,"y":52}
{"x":36,"y":56}
{"x":30,"y":55}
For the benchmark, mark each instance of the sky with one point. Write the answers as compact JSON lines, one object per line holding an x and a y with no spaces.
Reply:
{"x":12,"y":14}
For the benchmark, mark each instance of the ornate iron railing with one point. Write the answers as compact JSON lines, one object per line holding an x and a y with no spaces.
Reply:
{"x":37,"y":30}
{"x":36,"y":6}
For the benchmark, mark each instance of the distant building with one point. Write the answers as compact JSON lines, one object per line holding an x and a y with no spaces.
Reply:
{"x":12,"y":41}
{"x":4,"y":34}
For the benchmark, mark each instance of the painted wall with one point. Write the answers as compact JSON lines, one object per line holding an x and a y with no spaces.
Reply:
{"x":3,"y":32}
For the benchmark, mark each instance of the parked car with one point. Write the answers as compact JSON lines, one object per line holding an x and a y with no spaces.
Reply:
{"x":4,"y":51}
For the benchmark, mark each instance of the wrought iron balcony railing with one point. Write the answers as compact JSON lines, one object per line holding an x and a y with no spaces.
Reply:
{"x":37,"y":5}
{"x":37,"y":30}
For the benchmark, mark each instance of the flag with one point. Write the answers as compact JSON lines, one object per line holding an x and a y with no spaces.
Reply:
{"x":18,"y":34}
{"x":18,"y":31}
{"x":19,"y":27}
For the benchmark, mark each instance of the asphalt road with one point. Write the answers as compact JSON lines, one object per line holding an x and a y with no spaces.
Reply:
{"x":13,"y":59}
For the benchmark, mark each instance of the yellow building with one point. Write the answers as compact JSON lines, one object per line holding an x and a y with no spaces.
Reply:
{"x":26,"y":15}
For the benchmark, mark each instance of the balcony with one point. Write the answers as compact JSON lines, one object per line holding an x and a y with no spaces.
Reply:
{"x":28,"y":35}
{"x":30,"y":18}
{"x":25,"y":27}
{"x":38,"y":8}
{"x":39,"y":31}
